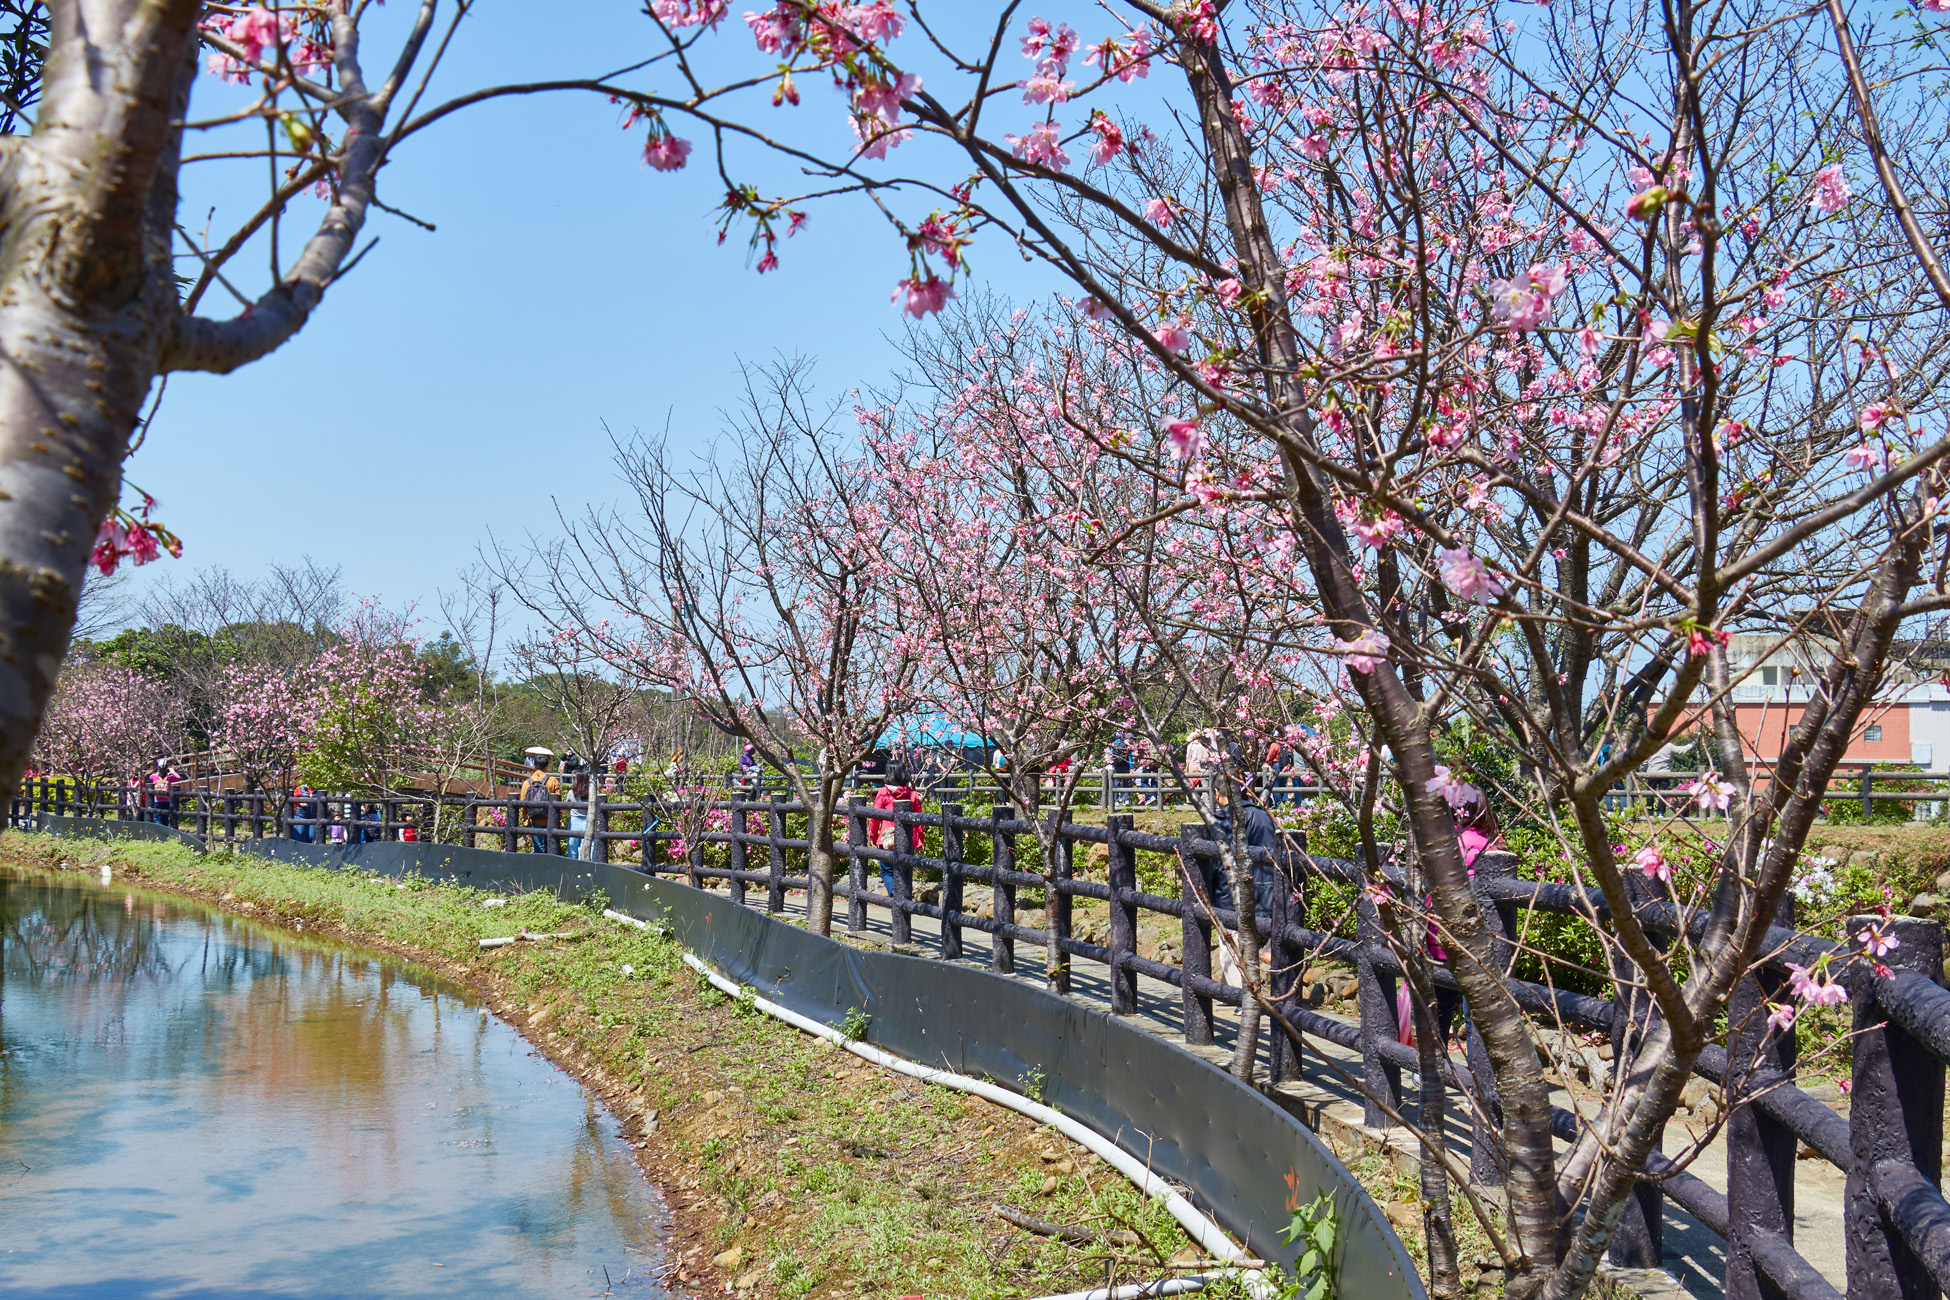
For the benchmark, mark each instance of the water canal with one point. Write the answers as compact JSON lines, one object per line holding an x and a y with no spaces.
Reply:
{"x":194,"y":1106}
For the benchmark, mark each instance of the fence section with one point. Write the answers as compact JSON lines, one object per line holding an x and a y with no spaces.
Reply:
{"x":1898,"y":1225}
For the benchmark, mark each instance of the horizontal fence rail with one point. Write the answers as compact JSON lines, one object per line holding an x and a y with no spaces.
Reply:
{"x":1889,"y":1146}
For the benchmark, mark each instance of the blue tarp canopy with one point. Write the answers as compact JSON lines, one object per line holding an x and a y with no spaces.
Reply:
{"x":930,"y":731}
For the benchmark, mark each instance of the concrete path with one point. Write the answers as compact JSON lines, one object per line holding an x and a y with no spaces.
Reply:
{"x":1694,"y":1256}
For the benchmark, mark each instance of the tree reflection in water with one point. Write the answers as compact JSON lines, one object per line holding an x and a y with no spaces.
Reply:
{"x":195,"y":1101}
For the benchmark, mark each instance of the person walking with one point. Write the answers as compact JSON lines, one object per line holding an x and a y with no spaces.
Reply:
{"x":895,"y":794}
{"x":534,"y":792}
{"x":1477,"y":833}
{"x":1198,"y":758}
{"x":300,"y":809}
{"x":162,"y":799}
{"x":748,"y":770}
{"x":1234,"y":809}
{"x":1657,"y":769}
{"x":578,"y":812}
{"x":1118,"y":759}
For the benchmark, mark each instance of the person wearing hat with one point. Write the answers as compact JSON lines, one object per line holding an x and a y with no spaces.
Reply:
{"x":162,"y":803}
{"x":534,"y":790}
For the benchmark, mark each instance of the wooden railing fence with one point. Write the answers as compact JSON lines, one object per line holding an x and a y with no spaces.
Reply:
{"x":1889,"y":1145}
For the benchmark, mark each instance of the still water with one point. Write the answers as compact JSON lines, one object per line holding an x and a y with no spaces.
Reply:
{"x":193,"y":1106}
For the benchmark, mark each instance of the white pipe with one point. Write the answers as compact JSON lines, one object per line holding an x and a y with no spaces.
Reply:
{"x":1136,"y":1290}
{"x":1209,"y":1236}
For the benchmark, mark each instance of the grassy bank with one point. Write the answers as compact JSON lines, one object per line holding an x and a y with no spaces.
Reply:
{"x":791,"y":1168}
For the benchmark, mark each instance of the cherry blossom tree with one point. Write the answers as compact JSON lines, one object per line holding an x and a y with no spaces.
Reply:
{"x":106,"y":723}
{"x":1015,"y":608}
{"x":265,"y":717}
{"x":751,"y":590}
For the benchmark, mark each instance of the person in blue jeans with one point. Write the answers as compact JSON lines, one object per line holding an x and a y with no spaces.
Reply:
{"x":578,"y":812}
{"x":896,"y":793}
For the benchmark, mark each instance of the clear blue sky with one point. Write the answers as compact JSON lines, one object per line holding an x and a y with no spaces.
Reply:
{"x":459,"y":380}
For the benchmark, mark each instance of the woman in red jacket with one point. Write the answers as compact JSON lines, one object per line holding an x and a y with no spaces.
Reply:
{"x":896,"y":794}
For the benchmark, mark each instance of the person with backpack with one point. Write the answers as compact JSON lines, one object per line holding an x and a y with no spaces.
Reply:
{"x":534,"y":791}
{"x":896,"y":793}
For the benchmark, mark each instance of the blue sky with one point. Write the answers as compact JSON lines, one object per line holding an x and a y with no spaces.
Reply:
{"x":458,"y":381}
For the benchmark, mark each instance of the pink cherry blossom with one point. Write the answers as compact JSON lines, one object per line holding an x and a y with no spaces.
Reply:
{"x":1815,"y":987}
{"x":1041,"y":146}
{"x":1159,"y":213}
{"x":1046,"y":88}
{"x":1110,"y":141}
{"x":1377,"y":532}
{"x":1185,"y":439}
{"x":1875,"y":415}
{"x":1701,"y":640}
{"x":1647,"y":203}
{"x":1127,"y":59}
{"x":1878,"y":942}
{"x":1831,"y":190}
{"x":1172,"y":338}
{"x":1052,"y":48}
{"x":1867,"y":457}
{"x":1780,"y":1015}
{"x":667,"y":153}
{"x":1467,"y":576}
{"x":920,"y":298}
{"x":1652,"y":861}
{"x":1525,"y":301}
{"x":1455,"y":793}
{"x":1709,"y":792}
{"x":1365,"y":651}
{"x":690,"y":13}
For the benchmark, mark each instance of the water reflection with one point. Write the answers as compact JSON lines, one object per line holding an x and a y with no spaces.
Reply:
{"x":192,"y":1105}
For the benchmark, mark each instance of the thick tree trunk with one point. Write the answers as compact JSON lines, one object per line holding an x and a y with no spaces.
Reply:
{"x":1526,"y":1135}
{"x":87,"y":300}
{"x":819,"y":862}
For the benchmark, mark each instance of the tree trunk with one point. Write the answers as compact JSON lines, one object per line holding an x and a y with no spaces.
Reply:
{"x":819,"y":863}
{"x":87,"y":298}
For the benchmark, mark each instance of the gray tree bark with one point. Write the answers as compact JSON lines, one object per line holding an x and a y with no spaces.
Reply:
{"x":89,"y":309}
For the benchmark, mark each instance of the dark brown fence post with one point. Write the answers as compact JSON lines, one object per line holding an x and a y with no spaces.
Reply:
{"x":598,"y":826}
{"x":951,"y":881}
{"x":856,"y":866}
{"x":1376,"y":997}
{"x":510,"y":818}
{"x":735,"y":823}
{"x":1056,"y":876}
{"x":774,"y":832}
{"x":1197,"y":930}
{"x":1868,"y":793}
{"x":1002,"y":946}
{"x":694,"y":863}
{"x":1122,"y":872}
{"x":1895,"y":1114}
{"x":899,"y":918}
{"x":1760,"y":1150}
